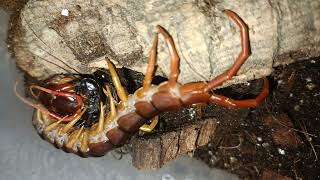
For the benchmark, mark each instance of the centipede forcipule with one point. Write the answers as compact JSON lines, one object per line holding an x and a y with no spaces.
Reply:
{"x":79,"y":114}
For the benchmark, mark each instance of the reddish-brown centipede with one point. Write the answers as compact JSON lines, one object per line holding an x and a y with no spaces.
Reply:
{"x":71,"y":109}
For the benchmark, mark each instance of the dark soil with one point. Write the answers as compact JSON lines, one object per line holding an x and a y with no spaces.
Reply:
{"x":279,"y":138}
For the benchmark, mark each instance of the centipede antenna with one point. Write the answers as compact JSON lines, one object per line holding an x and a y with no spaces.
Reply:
{"x":60,"y":60}
{"x":22,"y":16}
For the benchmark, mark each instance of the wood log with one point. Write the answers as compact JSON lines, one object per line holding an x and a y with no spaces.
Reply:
{"x":152,"y":152}
{"x":75,"y":36}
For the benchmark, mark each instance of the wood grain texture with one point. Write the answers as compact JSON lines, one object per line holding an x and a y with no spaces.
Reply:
{"x":207,"y":41}
{"x":152,"y":152}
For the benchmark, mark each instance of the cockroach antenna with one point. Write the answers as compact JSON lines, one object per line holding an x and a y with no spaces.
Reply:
{"x":55,"y":57}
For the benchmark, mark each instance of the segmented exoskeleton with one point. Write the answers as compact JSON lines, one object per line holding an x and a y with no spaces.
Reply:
{"x":72,"y":109}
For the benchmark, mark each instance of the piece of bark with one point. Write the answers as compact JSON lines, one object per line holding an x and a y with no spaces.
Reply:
{"x":154,"y":151}
{"x":207,"y":41}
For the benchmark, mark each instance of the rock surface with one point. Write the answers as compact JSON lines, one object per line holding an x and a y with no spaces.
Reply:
{"x":68,"y":36}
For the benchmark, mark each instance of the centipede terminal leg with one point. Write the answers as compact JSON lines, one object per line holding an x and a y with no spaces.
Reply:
{"x":225,"y":101}
{"x":244,"y":54}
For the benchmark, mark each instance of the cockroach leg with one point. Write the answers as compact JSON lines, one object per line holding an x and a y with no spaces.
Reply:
{"x":149,"y":128}
{"x":225,"y":101}
{"x":116,"y":82}
{"x":244,"y":54}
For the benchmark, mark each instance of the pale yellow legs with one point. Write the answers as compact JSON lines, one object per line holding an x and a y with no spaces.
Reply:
{"x":149,"y":128}
{"x":81,"y":134}
{"x":146,"y":84}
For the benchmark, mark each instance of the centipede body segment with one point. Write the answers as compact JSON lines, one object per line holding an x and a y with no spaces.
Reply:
{"x":79,"y":113}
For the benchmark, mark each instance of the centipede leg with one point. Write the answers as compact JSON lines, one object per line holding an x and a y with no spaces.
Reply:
{"x":174,"y":73}
{"x":70,"y":124}
{"x":175,"y":60}
{"x":244,"y":54}
{"x":150,"y":68}
{"x":113,"y":111}
{"x":225,"y":101}
{"x":150,"y":127}
{"x":116,"y":81}
{"x":74,"y":136}
{"x":100,"y":125}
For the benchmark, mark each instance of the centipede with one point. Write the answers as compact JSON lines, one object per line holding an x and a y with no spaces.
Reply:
{"x":80,"y":114}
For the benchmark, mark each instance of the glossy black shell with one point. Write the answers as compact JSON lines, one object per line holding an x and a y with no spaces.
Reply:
{"x":89,"y":87}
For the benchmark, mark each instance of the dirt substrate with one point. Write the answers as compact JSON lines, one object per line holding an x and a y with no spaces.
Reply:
{"x":278,"y":139}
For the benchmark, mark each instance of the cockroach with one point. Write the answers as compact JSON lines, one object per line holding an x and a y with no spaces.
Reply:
{"x":79,"y":113}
